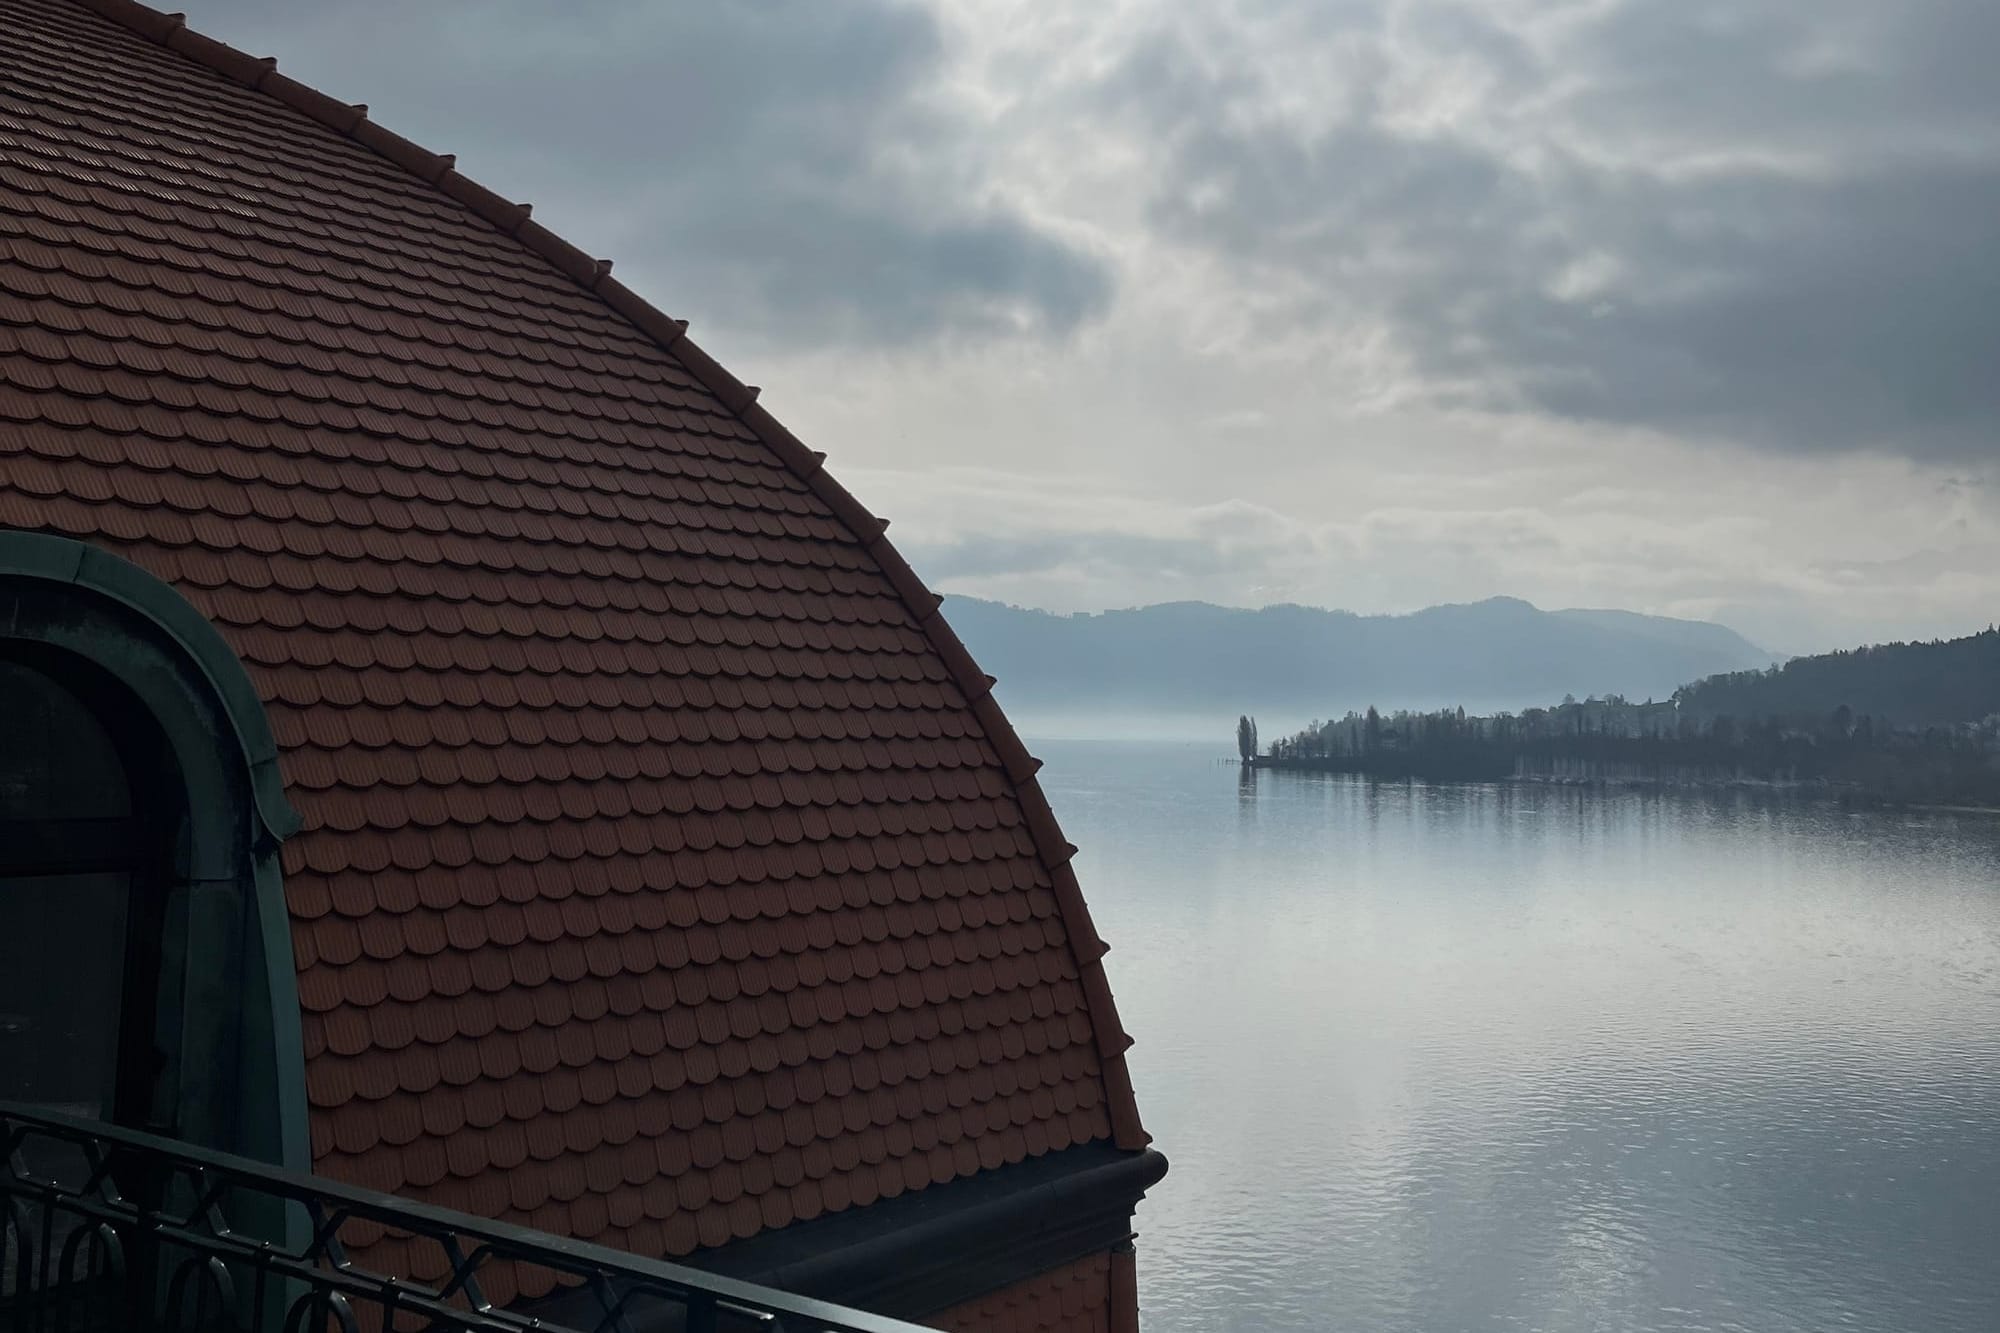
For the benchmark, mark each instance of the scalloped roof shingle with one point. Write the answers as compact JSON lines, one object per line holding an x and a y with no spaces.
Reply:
{"x":668,"y":873}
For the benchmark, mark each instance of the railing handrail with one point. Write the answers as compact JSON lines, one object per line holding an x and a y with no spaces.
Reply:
{"x":469,"y":1239}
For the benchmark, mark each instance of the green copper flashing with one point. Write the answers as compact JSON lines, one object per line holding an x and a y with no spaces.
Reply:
{"x":62,"y":560}
{"x":236,"y":825}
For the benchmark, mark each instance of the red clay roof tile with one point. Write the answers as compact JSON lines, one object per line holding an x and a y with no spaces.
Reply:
{"x":542,"y":608}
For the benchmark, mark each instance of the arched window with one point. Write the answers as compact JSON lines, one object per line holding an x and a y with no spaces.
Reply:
{"x":146,"y":973}
{"x":89,"y":805}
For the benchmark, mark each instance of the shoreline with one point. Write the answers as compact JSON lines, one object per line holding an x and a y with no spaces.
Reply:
{"x":1841,"y":793}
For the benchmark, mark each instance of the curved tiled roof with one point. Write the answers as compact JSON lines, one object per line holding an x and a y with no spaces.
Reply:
{"x":668,"y":872}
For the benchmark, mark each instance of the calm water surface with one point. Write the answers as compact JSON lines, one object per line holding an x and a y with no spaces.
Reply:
{"x":1485,"y":1058}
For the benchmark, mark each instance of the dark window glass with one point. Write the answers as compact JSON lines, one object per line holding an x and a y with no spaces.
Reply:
{"x":62,"y":968}
{"x":56,"y":759}
{"x":65,"y":828}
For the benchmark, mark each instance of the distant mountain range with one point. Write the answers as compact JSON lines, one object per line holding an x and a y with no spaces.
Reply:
{"x":1187,"y":668}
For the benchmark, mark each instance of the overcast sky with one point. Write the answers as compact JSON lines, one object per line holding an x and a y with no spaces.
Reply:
{"x":1685,"y":306}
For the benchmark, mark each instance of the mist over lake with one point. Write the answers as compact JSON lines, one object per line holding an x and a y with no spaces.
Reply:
{"x":1163,"y":672}
{"x":1517,"y":1057}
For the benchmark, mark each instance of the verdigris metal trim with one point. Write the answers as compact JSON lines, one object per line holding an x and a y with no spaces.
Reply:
{"x":154,"y":623}
{"x":36,"y":555}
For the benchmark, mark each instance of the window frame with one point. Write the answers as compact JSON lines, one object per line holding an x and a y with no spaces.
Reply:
{"x":240,"y":1086}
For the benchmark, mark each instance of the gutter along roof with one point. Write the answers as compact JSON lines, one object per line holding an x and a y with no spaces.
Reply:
{"x":668,"y":872}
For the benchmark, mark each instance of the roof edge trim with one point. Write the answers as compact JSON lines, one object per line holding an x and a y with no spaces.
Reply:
{"x":921,"y":1252}
{"x":594,"y":275}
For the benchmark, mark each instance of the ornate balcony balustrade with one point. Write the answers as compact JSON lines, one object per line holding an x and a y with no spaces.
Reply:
{"x":106,"y":1228}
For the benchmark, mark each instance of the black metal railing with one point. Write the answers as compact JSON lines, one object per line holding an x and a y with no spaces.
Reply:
{"x":106,"y":1228}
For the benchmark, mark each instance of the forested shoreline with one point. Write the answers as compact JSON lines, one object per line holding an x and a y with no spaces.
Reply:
{"x":1929,"y":734}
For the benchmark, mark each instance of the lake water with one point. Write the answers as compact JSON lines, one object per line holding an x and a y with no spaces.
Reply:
{"x":1482,"y":1058}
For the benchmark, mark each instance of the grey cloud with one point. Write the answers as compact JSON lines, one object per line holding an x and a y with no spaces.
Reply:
{"x":1772,"y":223}
{"x":1852,"y":74}
{"x":1099,"y":556}
{"x":775,"y":167}
{"x":1228,"y":552}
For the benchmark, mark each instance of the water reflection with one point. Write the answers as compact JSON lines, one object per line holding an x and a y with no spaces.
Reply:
{"x":1542,"y":1058}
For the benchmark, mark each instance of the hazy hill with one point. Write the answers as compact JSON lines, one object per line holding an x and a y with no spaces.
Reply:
{"x":1905,"y":684}
{"x":1699,"y":636}
{"x":1180,"y":666}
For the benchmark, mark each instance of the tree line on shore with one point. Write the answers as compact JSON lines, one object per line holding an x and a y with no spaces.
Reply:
{"x":1929,"y":731}
{"x":1943,"y":683}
